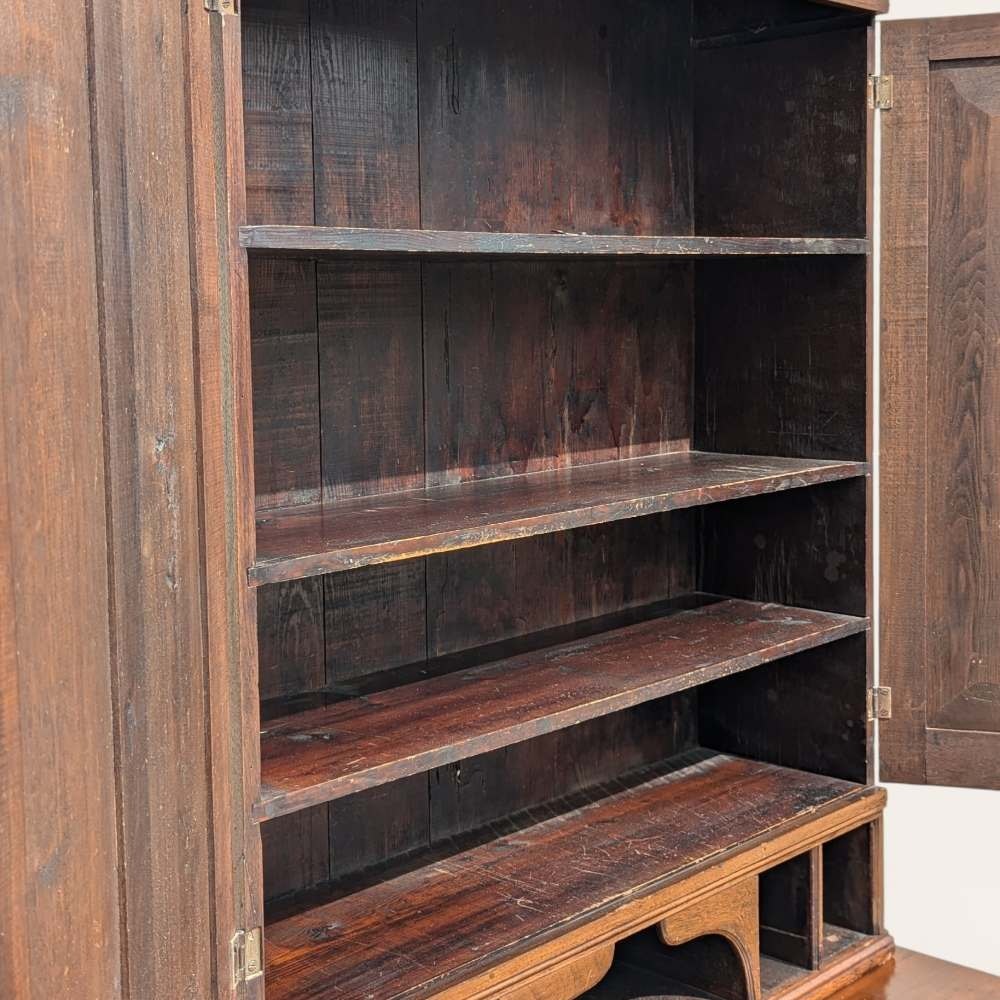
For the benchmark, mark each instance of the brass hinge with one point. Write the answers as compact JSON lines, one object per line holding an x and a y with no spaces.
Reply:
{"x":879,"y":704}
{"x":880,"y":93}
{"x":222,"y":6}
{"x":248,"y":956}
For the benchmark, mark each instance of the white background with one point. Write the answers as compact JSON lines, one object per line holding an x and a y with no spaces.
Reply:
{"x":943,"y":844}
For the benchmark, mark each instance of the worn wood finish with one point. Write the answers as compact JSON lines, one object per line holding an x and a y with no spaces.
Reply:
{"x":567,"y":117}
{"x":609,"y":347}
{"x":303,"y":541}
{"x":62,"y":864}
{"x":402,"y":948}
{"x":277,"y":112}
{"x":288,"y":240}
{"x":437,"y":366}
{"x":825,"y":685}
{"x":381,"y":735}
{"x":793,"y":381}
{"x":939,"y":402}
{"x":745,"y":137}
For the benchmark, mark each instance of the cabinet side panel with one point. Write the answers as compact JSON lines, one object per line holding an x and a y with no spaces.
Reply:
{"x":59,"y":879}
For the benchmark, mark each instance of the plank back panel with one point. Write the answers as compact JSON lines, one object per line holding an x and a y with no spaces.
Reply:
{"x":277,"y":111}
{"x":587,"y":363}
{"x":780,"y":136}
{"x":781,"y":358}
{"x":571,"y":115}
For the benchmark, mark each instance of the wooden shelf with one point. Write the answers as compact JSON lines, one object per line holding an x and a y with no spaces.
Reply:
{"x":309,"y":240}
{"x":312,"y":539}
{"x":379,"y":736}
{"x":422,"y":930}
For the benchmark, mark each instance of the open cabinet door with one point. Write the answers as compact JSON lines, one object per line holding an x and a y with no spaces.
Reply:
{"x":940,"y":442}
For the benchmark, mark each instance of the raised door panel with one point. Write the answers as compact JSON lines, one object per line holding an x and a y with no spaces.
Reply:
{"x":941,"y":403}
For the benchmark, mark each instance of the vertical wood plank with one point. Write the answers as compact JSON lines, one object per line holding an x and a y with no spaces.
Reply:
{"x":223,"y":372}
{"x":371,"y":378}
{"x":286,"y":382}
{"x":364,"y":71}
{"x":794,"y":165}
{"x":59,"y":891}
{"x":277,"y":111}
{"x":905,"y":216}
{"x":570,"y":115}
{"x":142,"y":171}
{"x":538,"y":366}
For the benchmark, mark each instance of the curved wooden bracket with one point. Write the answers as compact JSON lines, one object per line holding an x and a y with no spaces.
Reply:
{"x":731,"y":914}
{"x":568,"y":981}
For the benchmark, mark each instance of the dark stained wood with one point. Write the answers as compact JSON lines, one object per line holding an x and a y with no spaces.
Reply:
{"x":968,"y":37}
{"x":806,"y":549}
{"x":153,"y":494}
{"x":60,"y":865}
{"x":380,"y":736}
{"x":364,"y":87}
{"x":277,"y":111}
{"x":286,"y":390}
{"x":572,"y":116}
{"x":780,"y":352}
{"x":963,"y":400}
{"x":302,"y":541}
{"x":903,"y":400}
{"x":370,"y":378}
{"x":422,"y":931}
{"x":791,"y":911}
{"x":305,"y":240}
{"x":852,"y":879}
{"x":794,"y":166}
{"x":939,"y":445}
{"x":763,"y":714}
{"x":609,"y":347}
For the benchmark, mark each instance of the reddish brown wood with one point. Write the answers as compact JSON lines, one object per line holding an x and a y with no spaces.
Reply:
{"x":304,"y":541}
{"x":60,"y":905}
{"x":380,"y":736}
{"x":422,"y":931}
{"x":941,"y":406}
{"x":919,"y":977}
{"x":282,"y":240}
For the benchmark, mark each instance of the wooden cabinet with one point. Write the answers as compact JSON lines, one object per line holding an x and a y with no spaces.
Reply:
{"x":470,"y":467}
{"x":558,"y":322}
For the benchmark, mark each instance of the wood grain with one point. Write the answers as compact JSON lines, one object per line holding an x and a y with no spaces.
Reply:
{"x":311,"y":539}
{"x":379,"y":736}
{"x":746,"y":138}
{"x":61,"y":863}
{"x":312,"y":240}
{"x":572,"y":116}
{"x":364,"y":85}
{"x":794,"y":381}
{"x":609,"y":348}
{"x":277,"y":111}
{"x":940,"y":406}
{"x":905,"y":249}
{"x":962,"y":393}
{"x":425,"y":931}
